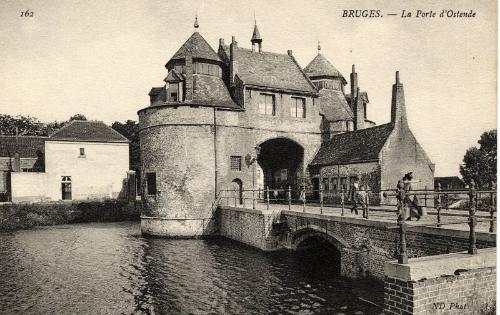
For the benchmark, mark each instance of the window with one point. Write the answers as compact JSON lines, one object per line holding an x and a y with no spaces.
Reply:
{"x":209,"y":69}
{"x":334,"y":183}
{"x":298,"y":107}
{"x":343,"y":183}
{"x":82,"y":152}
{"x":326,"y":184}
{"x":151,"y":183}
{"x":236,"y":163}
{"x":172,"y":92}
{"x":266,"y":106}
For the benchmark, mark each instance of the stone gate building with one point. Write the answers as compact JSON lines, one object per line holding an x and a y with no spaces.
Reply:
{"x":222,"y":116}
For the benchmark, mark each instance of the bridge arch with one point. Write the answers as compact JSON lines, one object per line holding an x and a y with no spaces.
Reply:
{"x":303,"y":233}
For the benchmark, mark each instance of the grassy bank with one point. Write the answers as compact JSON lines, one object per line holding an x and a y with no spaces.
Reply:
{"x":27,"y":215}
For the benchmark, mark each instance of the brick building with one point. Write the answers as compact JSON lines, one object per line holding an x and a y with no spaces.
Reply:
{"x":82,"y":160}
{"x":224,"y":117}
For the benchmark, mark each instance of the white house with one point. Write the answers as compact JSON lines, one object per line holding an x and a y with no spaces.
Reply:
{"x":83,"y":160}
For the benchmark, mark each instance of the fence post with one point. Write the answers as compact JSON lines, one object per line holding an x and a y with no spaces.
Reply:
{"x":472,"y":218}
{"x":425,"y":197}
{"x":303,"y":195}
{"x":235,"y":196}
{"x":320,"y":200}
{"x":253,"y":197}
{"x":289,"y":197}
{"x":403,"y":255}
{"x":367,"y":205}
{"x":342,"y":199}
{"x":267,"y":196}
{"x":438,"y":204}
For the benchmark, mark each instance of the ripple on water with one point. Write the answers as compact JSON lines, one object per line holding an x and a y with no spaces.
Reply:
{"x":109,"y":268}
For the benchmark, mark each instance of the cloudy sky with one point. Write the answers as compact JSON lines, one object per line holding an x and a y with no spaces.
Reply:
{"x":101,"y":58}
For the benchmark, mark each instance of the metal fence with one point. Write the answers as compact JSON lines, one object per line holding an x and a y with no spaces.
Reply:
{"x":470,"y":200}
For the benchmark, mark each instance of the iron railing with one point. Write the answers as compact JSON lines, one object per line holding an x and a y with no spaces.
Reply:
{"x":439,"y":200}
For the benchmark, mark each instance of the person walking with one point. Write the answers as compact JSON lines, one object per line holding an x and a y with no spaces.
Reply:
{"x":412,"y":205}
{"x":361,"y":199}
{"x":354,"y":195}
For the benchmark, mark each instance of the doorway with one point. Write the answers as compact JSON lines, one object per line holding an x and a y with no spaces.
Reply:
{"x":66,"y":188}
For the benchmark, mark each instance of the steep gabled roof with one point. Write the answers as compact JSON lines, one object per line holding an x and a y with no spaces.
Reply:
{"x":355,"y":146}
{"x":333,"y":105}
{"x":174,"y":76}
{"x":87,"y":131}
{"x":197,"y":47}
{"x":211,"y":90}
{"x":266,"y":69}
{"x":27,"y":146}
{"x":320,"y":66}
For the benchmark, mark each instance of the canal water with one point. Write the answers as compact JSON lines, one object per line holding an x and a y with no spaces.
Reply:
{"x":109,"y":268}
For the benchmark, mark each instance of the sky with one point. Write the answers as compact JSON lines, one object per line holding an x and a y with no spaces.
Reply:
{"x":101,"y":58}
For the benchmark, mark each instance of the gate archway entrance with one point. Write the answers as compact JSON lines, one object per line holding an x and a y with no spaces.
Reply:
{"x":281,"y":160}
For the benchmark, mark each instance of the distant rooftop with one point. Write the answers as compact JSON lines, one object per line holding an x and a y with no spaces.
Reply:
{"x":88,"y":131}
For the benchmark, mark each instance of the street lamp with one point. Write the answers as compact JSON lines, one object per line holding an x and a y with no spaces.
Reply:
{"x":251,"y":159}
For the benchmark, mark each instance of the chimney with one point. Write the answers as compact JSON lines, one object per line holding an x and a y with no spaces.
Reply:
{"x":221,"y":42}
{"x":290,"y":53}
{"x":233,"y":66}
{"x":354,"y":87}
{"x":398,"y":107}
{"x":189,"y":79}
{"x":359,"y":111}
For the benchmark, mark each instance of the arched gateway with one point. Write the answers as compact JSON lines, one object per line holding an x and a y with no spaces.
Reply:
{"x":282,"y":162}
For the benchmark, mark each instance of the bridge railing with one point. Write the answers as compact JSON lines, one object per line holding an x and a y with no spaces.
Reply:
{"x":470,"y":200}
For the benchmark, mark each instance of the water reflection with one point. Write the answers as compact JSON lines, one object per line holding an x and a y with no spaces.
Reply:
{"x":111,"y":269}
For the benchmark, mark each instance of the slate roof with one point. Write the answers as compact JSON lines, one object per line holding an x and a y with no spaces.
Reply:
{"x":197,"y":47}
{"x":320,"y":66}
{"x":354,"y":146}
{"x":448,"y":182}
{"x":27,"y":146}
{"x":272,"y":70}
{"x":87,"y":131}
{"x":333,"y":105}
{"x":211,"y":90}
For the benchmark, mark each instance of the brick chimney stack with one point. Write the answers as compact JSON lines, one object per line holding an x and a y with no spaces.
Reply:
{"x":354,"y":87}
{"x":359,"y":111}
{"x":233,"y":66}
{"x":398,"y":107}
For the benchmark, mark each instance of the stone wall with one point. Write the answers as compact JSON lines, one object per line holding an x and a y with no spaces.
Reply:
{"x":443,"y":284}
{"x":365,"y":246}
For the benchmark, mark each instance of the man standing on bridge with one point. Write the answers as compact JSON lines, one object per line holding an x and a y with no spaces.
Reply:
{"x":411,"y":207}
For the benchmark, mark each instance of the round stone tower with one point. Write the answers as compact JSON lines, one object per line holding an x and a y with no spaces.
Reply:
{"x":177,"y":136}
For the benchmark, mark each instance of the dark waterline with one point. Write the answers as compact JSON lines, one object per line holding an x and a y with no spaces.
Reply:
{"x":109,"y":268}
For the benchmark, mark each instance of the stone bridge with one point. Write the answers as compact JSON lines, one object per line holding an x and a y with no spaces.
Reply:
{"x":364,"y":246}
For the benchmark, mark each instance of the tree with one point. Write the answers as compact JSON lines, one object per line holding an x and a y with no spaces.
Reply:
{"x":130,"y":130}
{"x":25,"y":125}
{"x":480,"y":164}
{"x":77,"y":117}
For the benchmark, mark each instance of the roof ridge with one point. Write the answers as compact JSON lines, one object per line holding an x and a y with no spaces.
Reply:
{"x":303,"y":73}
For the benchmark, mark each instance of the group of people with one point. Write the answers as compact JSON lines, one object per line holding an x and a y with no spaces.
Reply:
{"x":409,"y":207}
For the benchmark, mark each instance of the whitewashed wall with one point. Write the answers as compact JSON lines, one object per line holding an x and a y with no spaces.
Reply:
{"x":100,"y":174}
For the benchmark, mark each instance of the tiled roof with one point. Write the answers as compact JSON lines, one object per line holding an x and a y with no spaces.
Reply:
{"x":155,"y":91}
{"x":449,"y":182}
{"x":211,"y":90}
{"x":27,"y":146}
{"x":333,"y":105}
{"x":320,"y":66}
{"x":354,"y":146}
{"x":88,"y":131}
{"x":197,"y":47}
{"x":272,"y":70}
